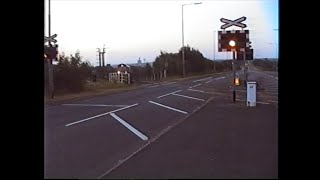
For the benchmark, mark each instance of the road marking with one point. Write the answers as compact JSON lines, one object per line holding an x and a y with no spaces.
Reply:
{"x":131,"y":128}
{"x":152,"y":140}
{"x":202,"y":79}
{"x":168,"y":107}
{"x":262,"y":103}
{"x":219,"y":78}
{"x":169,"y":83}
{"x":195,"y":86}
{"x":168,"y":94}
{"x":94,"y":105}
{"x":208,"y":81}
{"x":188,"y":97}
{"x":153,"y":86}
{"x":196,"y":90}
{"x":256,"y":102}
{"x":73,"y":123}
{"x":273,"y":76}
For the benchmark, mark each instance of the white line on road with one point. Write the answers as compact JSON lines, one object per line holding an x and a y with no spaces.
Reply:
{"x":196,"y":90}
{"x":168,"y":94}
{"x":202,"y":79}
{"x":73,"y":123}
{"x":131,"y":128}
{"x":153,"y":86}
{"x":219,"y":78}
{"x":208,"y":81}
{"x":262,"y":103}
{"x":94,"y":105}
{"x":168,"y":83}
{"x":168,"y":107}
{"x":273,"y":76}
{"x":256,"y":102}
{"x":188,"y":97}
{"x":195,"y":85}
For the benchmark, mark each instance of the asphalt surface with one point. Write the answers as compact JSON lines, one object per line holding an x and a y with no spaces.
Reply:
{"x":196,"y":131}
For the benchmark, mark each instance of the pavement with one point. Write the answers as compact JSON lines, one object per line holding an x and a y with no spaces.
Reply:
{"x":174,"y":129}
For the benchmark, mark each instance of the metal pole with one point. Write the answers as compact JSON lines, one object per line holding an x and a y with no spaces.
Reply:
{"x":50,"y":68}
{"x":183,"y":63}
{"x":214,"y":51}
{"x":103,"y":58}
{"x":234,"y":76}
{"x":277,"y":57}
{"x":244,"y":68}
{"x":103,"y":64}
{"x":99,"y":57}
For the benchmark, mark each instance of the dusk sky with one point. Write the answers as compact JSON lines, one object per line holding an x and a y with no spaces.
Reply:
{"x":133,"y":29}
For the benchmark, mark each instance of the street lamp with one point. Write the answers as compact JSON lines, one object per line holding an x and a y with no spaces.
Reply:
{"x":183,"y":63}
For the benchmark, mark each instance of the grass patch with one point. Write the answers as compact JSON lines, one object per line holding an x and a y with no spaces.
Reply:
{"x":91,"y":90}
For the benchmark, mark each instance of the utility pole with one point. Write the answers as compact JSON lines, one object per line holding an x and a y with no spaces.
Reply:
{"x":103,"y":62}
{"x":99,"y":53}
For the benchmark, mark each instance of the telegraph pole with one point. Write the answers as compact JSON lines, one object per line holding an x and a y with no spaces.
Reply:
{"x":99,"y":57}
{"x":103,"y":63}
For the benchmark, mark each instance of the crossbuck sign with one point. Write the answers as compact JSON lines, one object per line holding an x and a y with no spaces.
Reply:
{"x":50,"y":39}
{"x":236,"y":22}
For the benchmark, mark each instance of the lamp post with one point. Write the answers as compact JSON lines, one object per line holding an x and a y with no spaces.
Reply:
{"x":183,"y":62}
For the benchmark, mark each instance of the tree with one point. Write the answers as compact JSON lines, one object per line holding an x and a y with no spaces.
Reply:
{"x":70,"y":74}
{"x":148,"y":70}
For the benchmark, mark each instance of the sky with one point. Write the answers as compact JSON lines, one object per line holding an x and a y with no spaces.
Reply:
{"x":141,"y":29}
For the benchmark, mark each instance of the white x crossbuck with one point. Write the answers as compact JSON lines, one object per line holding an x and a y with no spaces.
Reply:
{"x":236,"y":22}
{"x":50,"y":39}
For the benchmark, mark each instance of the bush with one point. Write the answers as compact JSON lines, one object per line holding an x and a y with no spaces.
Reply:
{"x":70,"y":74}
